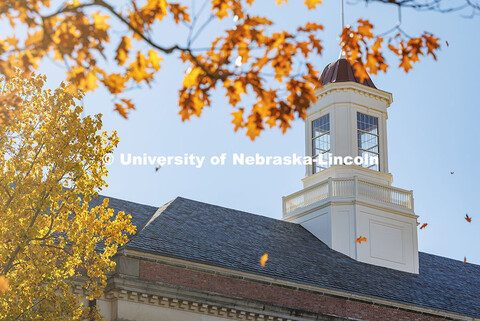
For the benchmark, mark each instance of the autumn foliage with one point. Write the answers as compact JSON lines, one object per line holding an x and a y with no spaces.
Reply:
{"x":252,"y":58}
{"x":50,"y":239}
{"x":364,"y":50}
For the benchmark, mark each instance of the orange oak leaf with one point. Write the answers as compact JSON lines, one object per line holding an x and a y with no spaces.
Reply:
{"x":123,"y":109}
{"x":220,"y":8}
{"x":122,"y":50}
{"x":431,"y":43}
{"x":361,"y":239}
{"x":312,"y":4}
{"x":115,"y":83}
{"x":309,"y":26}
{"x":424,"y":225}
{"x":85,"y":41}
{"x":263,"y":259}
{"x":365,"y":28}
{"x":237,"y":118}
{"x":179,"y":12}
{"x":468,"y":218}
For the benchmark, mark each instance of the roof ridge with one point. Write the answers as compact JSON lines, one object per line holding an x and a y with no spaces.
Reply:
{"x":156,"y":214}
{"x":233,"y":209}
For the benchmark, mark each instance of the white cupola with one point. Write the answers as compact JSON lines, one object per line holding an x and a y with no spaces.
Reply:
{"x":344,"y":200}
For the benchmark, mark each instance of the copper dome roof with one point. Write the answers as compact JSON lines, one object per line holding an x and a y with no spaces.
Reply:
{"x":341,"y":71}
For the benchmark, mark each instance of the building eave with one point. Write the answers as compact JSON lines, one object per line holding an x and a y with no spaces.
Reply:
{"x":205,"y":268}
{"x":362,"y":89}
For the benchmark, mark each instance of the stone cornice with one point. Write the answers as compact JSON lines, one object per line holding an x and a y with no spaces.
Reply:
{"x":174,"y":297}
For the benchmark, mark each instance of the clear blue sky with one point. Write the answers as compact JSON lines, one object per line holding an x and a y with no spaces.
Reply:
{"x":433,"y":129}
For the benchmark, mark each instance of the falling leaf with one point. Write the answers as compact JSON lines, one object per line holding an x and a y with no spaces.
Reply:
{"x":464,"y":260}
{"x":451,"y":173}
{"x":361,"y":239}
{"x":157,"y":168}
{"x":447,"y":43}
{"x":424,"y":225}
{"x":468,"y":218}
{"x":3,"y":284}
{"x":312,"y":4}
{"x":263,"y":259}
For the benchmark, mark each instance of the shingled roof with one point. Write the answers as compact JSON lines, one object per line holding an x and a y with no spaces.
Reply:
{"x":232,"y":239}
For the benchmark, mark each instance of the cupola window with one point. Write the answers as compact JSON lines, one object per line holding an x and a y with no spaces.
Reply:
{"x":320,"y":143}
{"x":367,"y":135}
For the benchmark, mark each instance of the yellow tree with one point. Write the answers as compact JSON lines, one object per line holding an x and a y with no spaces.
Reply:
{"x":50,"y":167}
{"x":249,"y":57}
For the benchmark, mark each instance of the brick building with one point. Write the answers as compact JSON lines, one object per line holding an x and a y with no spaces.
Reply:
{"x":195,"y":261}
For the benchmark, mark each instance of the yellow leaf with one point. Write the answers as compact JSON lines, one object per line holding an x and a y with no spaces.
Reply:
{"x":253,"y":129}
{"x":220,"y":7}
{"x":3,"y":284}
{"x":138,"y":69}
{"x":115,"y":83}
{"x":234,"y":91}
{"x":154,"y":59}
{"x":155,"y":8}
{"x":191,"y":78}
{"x":99,"y":21}
{"x":263,"y":259}
{"x":122,"y":50}
{"x":237,"y":118}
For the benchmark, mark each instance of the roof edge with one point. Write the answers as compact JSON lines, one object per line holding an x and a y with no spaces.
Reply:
{"x":204,"y":267}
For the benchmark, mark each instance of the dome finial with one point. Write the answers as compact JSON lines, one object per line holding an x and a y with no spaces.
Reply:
{"x":343,"y":17}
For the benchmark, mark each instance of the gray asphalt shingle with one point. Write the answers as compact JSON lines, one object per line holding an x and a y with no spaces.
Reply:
{"x":228,"y":238}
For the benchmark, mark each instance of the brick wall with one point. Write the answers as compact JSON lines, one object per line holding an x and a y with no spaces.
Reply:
{"x":273,"y":294}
